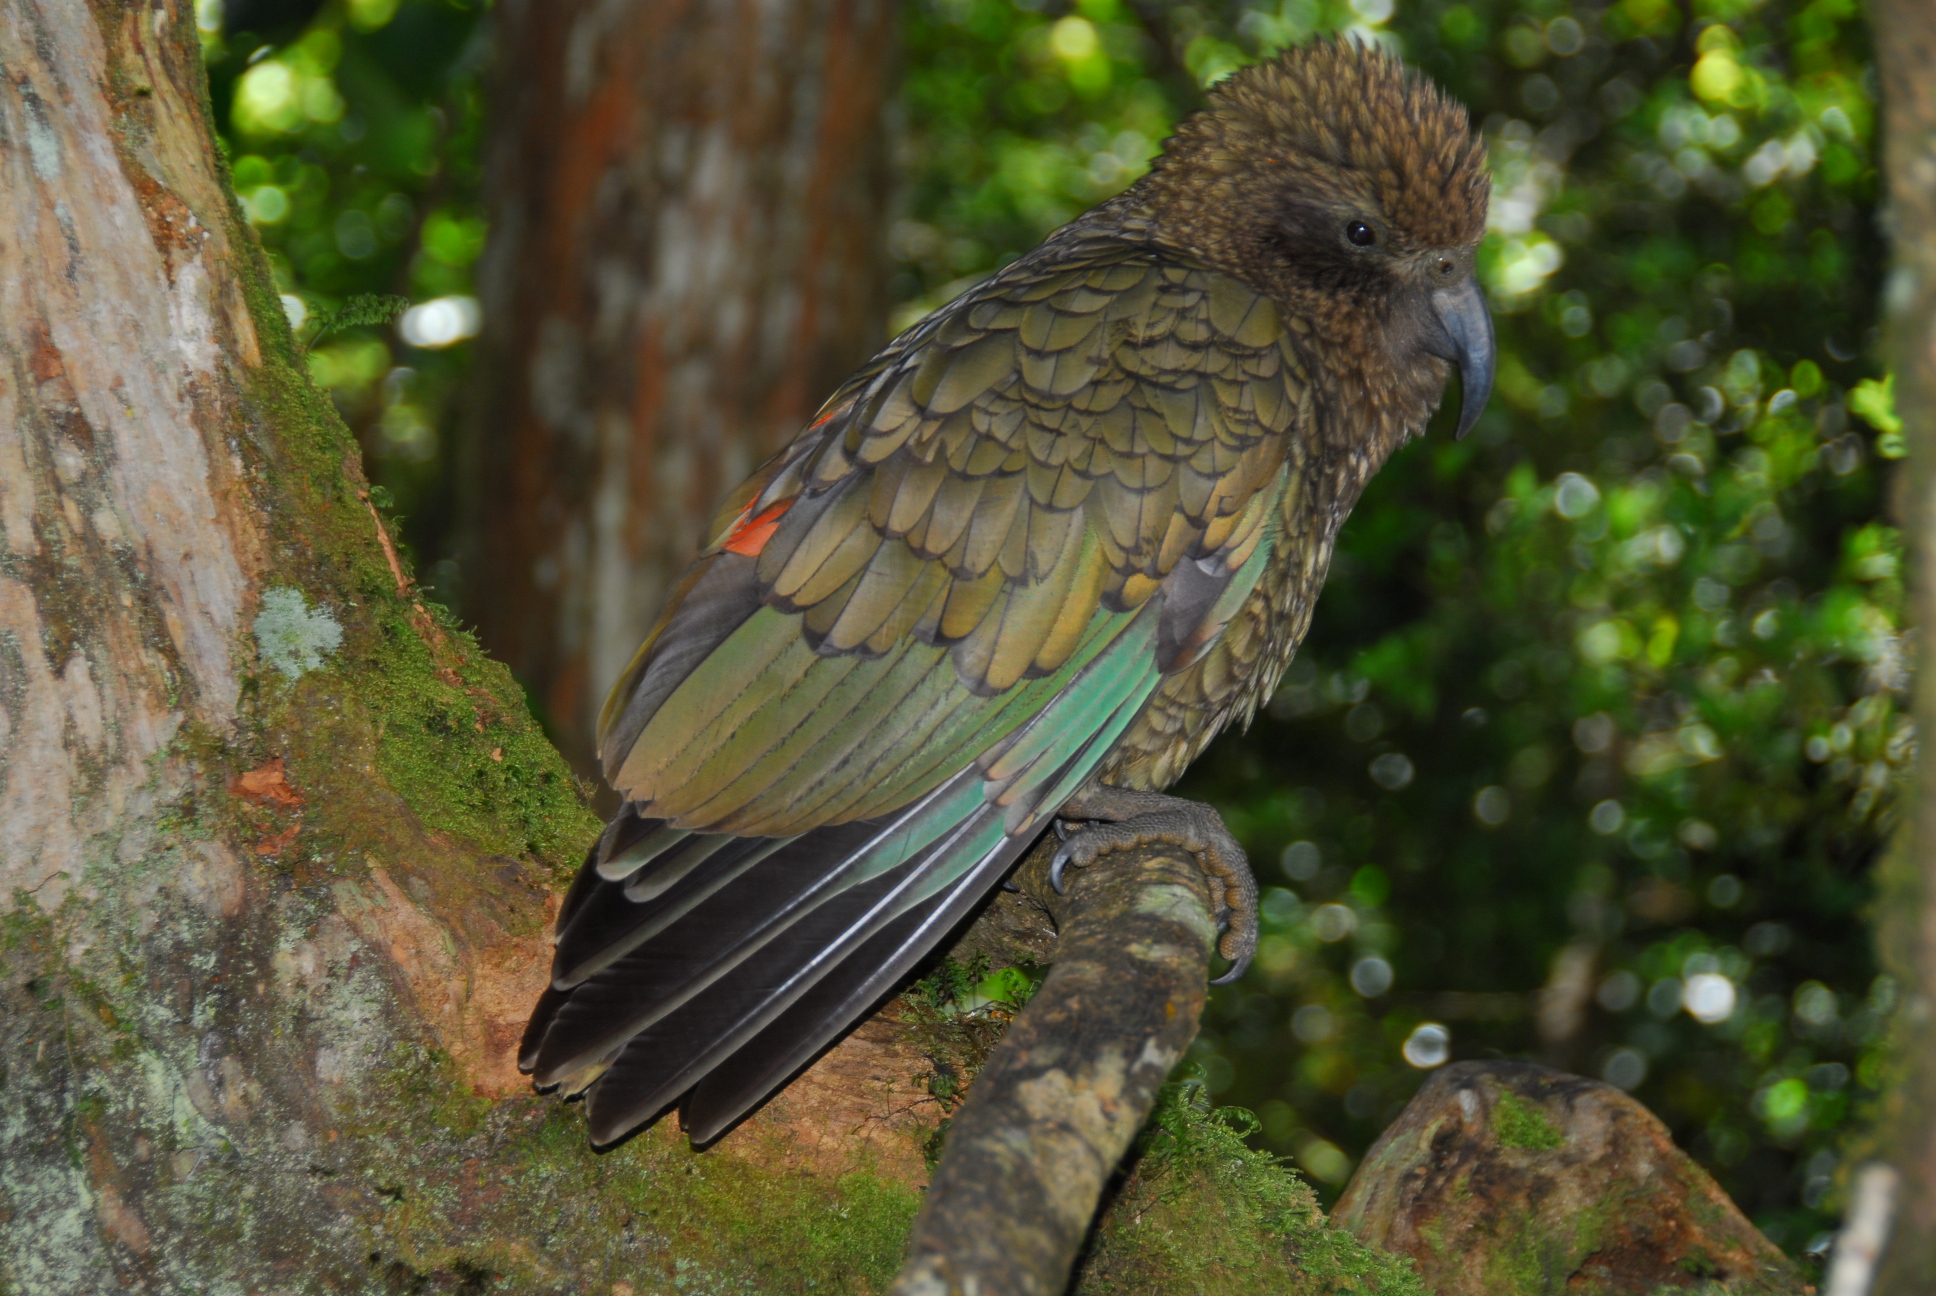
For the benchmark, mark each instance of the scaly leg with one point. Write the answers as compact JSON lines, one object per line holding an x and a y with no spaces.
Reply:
{"x":1125,"y":819}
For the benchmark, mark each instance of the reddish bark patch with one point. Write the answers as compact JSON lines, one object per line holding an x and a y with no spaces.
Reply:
{"x":1505,"y":1178}
{"x":268,"y":784}
{"x":277,"y":843}
{"x":865,"y":1105}
{"x":475,"y":997}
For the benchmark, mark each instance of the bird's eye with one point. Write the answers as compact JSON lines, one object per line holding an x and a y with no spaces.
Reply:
{"x":1360,"y":233}
{"x":1444,"y":265}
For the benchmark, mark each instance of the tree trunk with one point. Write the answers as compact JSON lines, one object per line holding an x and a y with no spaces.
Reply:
{"x":688,"y":216}
{"x":280,"y":842}
{"x":1905,"y":32}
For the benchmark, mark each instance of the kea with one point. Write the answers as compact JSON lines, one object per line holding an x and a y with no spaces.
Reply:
{"x":1014,"y":576}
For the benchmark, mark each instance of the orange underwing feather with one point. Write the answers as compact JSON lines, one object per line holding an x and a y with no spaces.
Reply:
{"x":752,"y":533}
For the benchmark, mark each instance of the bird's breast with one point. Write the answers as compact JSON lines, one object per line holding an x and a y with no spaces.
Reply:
{"x":1241,"y":670}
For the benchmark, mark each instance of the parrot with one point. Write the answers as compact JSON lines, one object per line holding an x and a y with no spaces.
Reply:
{"x":1015,"y":574}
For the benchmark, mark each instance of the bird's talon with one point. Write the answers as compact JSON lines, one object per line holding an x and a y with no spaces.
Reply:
{"x":1056,"y":869}
{"x":1234,"y":973}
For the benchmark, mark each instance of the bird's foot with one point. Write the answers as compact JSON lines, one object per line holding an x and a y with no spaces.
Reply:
{"x":1119,"y":819}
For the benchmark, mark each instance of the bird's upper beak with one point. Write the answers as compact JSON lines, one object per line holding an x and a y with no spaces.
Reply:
{"x":1464,"y":336}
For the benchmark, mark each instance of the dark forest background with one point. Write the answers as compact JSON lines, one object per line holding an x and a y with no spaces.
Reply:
{"x":1597,"y":732}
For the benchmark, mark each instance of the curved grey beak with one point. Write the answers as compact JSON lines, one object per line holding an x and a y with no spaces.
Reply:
{"x":1465,"y":338}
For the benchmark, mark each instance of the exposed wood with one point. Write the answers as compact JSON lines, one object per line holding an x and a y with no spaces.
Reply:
{"x":129,"y":543}
{"x":1509,"y":1179}
{"x":1905,"y":42}
{"x":688,"y":213}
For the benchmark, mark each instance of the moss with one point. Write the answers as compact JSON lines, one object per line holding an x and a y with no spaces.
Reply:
{"x":1530,"y":1255}
{"x":1203,"y":1211}
{"x":1523,"y":1266}
{"x":424,"y":1080}
{"x":652,"y":1213}
{"x":453,"y":736}
{"x":461,"y":748}
{"x":956,"y":1025}
{"x":1519,"y":1124}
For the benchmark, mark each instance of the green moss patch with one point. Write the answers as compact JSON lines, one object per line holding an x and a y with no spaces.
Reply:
{"x":452,"y":734}
{"x":1202,"y":1211}
{"x":1519,"y":1124}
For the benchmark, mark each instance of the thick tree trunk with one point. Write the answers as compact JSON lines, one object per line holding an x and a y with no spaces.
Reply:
{"x":1905,"y":33}
{"x":278,"y":840}
{"x":688,"y":207}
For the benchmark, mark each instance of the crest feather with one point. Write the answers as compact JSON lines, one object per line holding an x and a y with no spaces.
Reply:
{"x":1340,"y":116}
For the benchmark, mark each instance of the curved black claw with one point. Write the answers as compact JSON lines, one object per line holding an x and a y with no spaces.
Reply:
{"x":1235,"y":971}
{"x":1058,"y":866}
{"x":1245,"y":943}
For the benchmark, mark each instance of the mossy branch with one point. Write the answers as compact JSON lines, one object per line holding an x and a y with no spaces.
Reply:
{"x":1064,"y":1094}
{"x":358,"y":311}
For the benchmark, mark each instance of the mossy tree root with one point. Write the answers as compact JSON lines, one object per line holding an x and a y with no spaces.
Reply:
{"x":1061,"y":1098}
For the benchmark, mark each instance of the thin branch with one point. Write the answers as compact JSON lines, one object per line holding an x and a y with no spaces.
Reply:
{"x":1072,"y":1081}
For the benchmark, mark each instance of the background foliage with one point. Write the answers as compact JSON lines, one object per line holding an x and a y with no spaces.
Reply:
{"x":1594,"y":740}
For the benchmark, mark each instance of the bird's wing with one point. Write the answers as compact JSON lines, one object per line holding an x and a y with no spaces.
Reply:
{"x":916,"y":632}
{"x":961,"y":525}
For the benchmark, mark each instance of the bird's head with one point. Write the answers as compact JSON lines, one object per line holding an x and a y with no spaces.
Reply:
{"x":1354,"y":194}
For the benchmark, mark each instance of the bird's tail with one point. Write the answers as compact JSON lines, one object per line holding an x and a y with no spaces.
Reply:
{"x":717,"y":966}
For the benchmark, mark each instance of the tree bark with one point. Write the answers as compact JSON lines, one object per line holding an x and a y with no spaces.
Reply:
{"x":1905,"y":33}
{"x":688,"y":214}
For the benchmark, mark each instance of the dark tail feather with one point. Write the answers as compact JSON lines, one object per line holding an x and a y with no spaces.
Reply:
{"x":664,"y":1061}
{"x":743,"y":1080}
{"x":707,"y":940}
{"x":674,"y":1050}
{"x":534,"y":1030}
{"x":701,"y":973}
{"x":581,"y":888}
{"x":609,"y":924}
